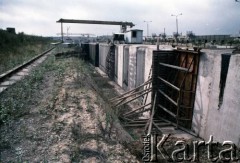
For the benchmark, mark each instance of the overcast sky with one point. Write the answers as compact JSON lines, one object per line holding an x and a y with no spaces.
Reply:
{"x":200,"y":16}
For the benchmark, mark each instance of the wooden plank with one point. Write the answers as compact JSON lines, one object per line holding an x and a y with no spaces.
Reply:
{"x":138,"y":112}
{"x":132,"y":94}
{"x":136,"y":109}
{"x":163,"y":124}
{"x":131,"y":90}
{"x":179,"y":127}
{"x":134,"y":125}
{"x":152,"y":114}
{"x":119,"y":104}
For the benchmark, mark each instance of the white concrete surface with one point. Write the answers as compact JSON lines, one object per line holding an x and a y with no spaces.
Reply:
{"x":208,"y":118}
{"x":120,"y":66}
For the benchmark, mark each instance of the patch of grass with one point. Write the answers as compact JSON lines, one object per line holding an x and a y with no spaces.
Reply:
{"x":16,"y":100}
{"x":18,"y":48}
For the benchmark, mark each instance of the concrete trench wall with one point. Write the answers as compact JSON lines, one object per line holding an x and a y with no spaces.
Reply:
{"x":133,"y":50}
{"x":94,"y":54}
{"x":210,"y":118}
{"x":103,"y":51}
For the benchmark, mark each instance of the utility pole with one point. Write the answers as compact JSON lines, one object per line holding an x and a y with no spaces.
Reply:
{"x":176,"y":23}
{"x":67,"y":30}
{"x":62,"y":31}
{"x":147,"y":26}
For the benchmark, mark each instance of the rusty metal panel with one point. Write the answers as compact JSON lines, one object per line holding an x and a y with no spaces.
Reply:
{"x":174,"y":81}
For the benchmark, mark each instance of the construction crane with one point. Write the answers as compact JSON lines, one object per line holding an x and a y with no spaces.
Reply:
{"x":123,"y":25}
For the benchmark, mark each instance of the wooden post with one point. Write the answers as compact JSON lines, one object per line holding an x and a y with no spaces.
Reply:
{"x":152,"y":114}
{"x":120,"y":103}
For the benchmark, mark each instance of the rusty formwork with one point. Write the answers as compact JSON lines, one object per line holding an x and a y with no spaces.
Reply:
{"x":172,"y":85}
{"x":174,"y":80}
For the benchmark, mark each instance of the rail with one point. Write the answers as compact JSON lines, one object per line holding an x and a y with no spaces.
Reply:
{"x":17,"y":68}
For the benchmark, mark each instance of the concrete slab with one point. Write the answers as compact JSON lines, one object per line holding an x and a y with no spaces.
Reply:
{"x":22,"y":73}
{"x":16,"y":78}
{"x":7,"y":83}
{"x":103,"y":74}
{"x":25,"y":70}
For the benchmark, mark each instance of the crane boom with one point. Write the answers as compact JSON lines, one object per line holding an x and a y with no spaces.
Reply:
{"x":122,"y":24}
{"x":95,"y":22}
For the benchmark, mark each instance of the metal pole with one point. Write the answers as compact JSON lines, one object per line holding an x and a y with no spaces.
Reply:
{"x":62,"y":31}
{"x":176,"y":24}
{"x":147,"y":27}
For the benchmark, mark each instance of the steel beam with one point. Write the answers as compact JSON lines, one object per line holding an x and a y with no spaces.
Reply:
{"x":96,"y":22}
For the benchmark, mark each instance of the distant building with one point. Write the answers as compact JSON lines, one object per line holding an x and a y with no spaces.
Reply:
{"x":134,"y":36}
{"x":211,"y":38}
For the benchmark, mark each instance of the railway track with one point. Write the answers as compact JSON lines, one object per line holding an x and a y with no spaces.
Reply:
{"x":12,"y":76}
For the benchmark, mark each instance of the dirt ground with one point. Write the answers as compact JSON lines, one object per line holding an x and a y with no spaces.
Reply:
{"x":69,"y":123}
{"x":67,"y":118}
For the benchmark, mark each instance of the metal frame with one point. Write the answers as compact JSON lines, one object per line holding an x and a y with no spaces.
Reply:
{"x":174,"y":81}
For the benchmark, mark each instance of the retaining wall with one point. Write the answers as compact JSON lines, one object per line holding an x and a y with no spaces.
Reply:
{"x":217,"y":105}
{"x":216,"y":111}
{"x":103,"y":51}
{"x":94,"y":54}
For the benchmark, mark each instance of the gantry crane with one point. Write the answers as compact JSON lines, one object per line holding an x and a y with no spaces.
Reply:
{"x":123,"y":25}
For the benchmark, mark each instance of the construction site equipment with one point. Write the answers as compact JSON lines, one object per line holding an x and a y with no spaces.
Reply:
{"x":123,"y":25}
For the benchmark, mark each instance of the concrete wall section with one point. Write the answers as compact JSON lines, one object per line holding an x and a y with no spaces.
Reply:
{"x":209,"y":117}
{"x":119,"y":80}
{"x":132,"y":67}
{"x":230,"y":124}
{"x":103,"y":51}
{"x":94,"y":54}
{"x":140,"y":65}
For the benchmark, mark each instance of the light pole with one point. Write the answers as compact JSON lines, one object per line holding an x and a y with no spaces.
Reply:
{"x":67,"y":30}
{"x":177,"y":22}
{"x":147,"y":25}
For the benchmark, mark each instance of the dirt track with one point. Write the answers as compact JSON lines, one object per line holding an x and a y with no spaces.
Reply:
{"x":69,"y":123}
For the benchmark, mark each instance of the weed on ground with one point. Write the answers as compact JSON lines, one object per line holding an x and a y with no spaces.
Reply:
{"x":57,"y":114}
